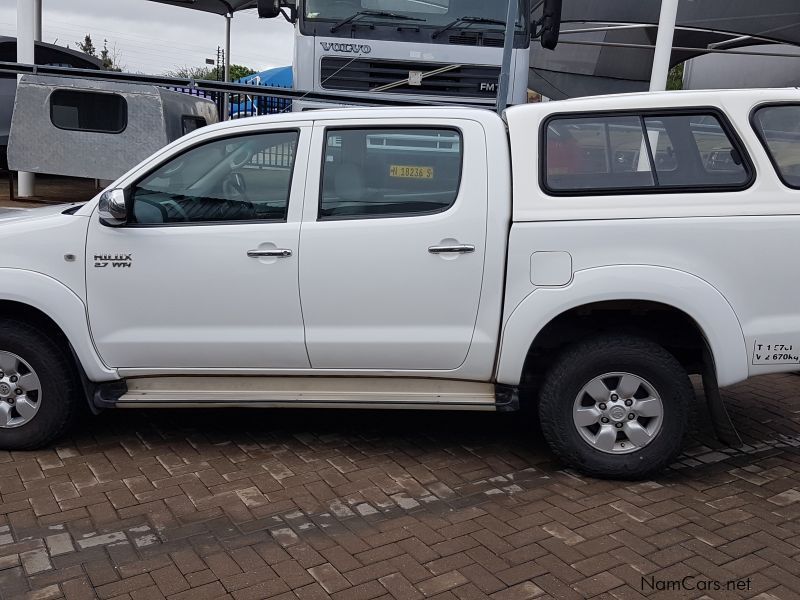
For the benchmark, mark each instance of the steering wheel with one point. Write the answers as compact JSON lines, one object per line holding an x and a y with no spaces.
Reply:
{"x":178,"y":208}
{"x":234,"y":187}
{"x":174,"y":167}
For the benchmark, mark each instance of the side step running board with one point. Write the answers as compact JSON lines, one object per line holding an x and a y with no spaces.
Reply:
{"x":307,"y":392}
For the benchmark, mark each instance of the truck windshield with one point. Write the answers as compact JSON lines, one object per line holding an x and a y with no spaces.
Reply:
{"x":458,"y":14}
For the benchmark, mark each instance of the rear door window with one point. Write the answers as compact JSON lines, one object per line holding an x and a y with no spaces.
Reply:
{"x":779,"y":129}
{"x":381,"y":173}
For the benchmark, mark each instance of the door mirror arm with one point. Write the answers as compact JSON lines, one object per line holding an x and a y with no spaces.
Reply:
{"x":113,"y":208}
{"x":269,"y":9}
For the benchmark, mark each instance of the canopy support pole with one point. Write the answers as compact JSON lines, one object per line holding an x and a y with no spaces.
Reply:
{"x":508,"y":50}
{"x":29,"y":29}
{"x":37,"y":20}
{"x":227,"y":99}
{"x":663,"y":51}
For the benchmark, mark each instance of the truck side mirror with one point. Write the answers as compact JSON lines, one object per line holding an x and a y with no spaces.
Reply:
{"x":269,"y":9}
{"x":550,"y":24}
{"x":113,"y":208}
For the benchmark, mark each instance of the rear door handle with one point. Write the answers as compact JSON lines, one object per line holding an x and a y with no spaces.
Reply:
{"x":273,"y":253}
{"x":454,"y":249}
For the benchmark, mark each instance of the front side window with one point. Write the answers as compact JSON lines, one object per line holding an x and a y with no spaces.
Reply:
{"x":245,"y":178}
{"x":374,"y":173}
{"x":77,"y":110}
{"x":642,"y":153}
{"x":779,"y":130}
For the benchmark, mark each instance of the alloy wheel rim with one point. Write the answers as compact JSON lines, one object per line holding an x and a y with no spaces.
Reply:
{"x":618,"y":413}
{"x":20,"y":391}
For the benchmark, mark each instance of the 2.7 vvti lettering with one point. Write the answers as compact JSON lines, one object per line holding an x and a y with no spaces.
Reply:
{"x":581,"y":258}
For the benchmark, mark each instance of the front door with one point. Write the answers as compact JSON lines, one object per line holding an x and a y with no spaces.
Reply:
{"x":393,"y":245}
{"x":204,"y":276}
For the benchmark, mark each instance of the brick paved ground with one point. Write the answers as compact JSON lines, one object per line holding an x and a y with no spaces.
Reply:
{"x":49,"y":190}
{"x":282,"y":504}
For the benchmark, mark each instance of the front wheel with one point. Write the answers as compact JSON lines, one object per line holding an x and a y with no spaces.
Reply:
{"x":37,"y":387}
{"x":616,"y":407}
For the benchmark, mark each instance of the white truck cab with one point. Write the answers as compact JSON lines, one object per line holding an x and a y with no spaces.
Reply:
{"x":445,"y":51}
{"x":578,"y":258}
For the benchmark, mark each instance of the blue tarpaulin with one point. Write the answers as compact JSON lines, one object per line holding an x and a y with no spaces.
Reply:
{"x":280,"y":77}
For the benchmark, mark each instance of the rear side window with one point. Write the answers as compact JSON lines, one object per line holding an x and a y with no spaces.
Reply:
{"x":381,"y":173}
{"x":779,"y":130}
{"x":77,"y":110}
{"x":605,"y":154}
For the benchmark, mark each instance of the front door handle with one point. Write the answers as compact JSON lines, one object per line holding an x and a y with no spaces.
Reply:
{"x":272,"y":253}
{"x":454,"y":249}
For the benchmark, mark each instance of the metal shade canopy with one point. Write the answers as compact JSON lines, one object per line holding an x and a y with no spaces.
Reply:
{"x":225,"y":8}
{"x":777,"y":20}
{"x":217,"y":7}
{"x":594,"y":62}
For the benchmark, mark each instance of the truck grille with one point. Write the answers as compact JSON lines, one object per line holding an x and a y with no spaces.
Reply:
{"x":477,"y":40}
{"x":364,"y":75}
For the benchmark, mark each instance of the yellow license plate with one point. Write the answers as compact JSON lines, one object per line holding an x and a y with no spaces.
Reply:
{"x":408,"y":172}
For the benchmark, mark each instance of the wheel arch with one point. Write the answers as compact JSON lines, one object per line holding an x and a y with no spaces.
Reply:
{"x":44,"y":301}
{"x":701,"y":308}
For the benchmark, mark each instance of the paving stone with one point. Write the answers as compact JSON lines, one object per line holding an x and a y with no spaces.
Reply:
{"x":35,"y":561}
{"x":307,"y":505}
{"x":60,"y":543}
{"x":329,"y":578}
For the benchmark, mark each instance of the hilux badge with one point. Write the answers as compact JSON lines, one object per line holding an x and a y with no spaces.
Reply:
{"x":101,"y":261}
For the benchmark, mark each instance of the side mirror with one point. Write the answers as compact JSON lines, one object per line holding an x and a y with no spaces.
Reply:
{"x":269,"y":9}
{"x":550,"y":24}
{"x":113,"y":209}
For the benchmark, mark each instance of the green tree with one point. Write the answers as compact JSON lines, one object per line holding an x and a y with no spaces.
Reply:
{"x":239,"y":71}
{"x":109,"y":57}
{"x":675,"y":78}
{"x":87,"y":46}
{"x":209,"y":73}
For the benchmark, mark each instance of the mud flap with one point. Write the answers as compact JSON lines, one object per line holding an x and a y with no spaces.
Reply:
{"x":506,"y":398}
{"x":723,"y":426}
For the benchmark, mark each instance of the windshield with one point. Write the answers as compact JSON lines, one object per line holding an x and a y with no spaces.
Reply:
{"x":435,"y":13}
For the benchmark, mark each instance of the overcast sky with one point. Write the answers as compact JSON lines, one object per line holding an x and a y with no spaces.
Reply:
{"x":154,"y":38}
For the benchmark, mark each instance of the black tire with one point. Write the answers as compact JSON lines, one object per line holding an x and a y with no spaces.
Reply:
{"x":585,"y":361}
{"x":55,"y":370}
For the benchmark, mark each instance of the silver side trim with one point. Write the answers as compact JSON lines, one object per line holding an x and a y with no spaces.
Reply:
{"x":307,"y":392}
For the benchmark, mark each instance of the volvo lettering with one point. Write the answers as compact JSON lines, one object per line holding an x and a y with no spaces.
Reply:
{"x":347,"y":48}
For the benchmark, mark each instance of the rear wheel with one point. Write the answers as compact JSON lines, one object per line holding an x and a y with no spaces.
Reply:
{"x":37,"y":387}
{"x":616,"y":407}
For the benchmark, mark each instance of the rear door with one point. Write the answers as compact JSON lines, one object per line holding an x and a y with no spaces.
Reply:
{"x":393,"y":243}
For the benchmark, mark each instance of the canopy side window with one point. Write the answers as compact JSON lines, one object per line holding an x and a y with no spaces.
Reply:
{"x":778,"y":127}
{"x":625,"y":153}
{"x":79,"y":110}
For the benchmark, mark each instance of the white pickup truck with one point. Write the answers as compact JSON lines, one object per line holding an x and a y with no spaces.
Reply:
{"x":578,"y":258}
